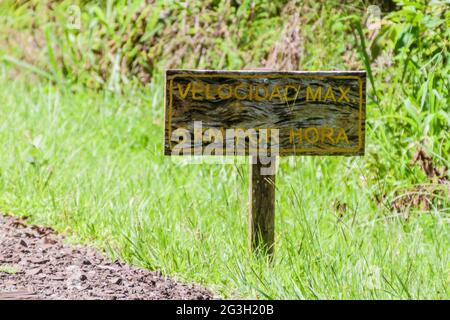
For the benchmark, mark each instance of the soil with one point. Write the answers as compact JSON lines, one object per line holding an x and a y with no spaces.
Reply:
{"x":35,"y":263}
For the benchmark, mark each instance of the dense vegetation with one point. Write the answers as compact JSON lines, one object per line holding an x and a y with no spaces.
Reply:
{"x":81,"y":126}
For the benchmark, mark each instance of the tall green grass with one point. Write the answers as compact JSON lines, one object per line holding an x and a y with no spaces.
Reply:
{"x":91,"y":165}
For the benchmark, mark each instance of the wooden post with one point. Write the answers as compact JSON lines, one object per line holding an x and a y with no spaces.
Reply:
{"x":261,"y":234}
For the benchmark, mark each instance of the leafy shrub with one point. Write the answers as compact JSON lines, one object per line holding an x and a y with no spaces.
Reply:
{"x":413,"y":114}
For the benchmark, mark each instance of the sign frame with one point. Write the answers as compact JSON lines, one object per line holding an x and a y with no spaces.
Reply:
{"x":321,"y":77}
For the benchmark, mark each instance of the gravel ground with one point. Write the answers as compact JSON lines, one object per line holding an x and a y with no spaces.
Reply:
{"x":36,"y":264}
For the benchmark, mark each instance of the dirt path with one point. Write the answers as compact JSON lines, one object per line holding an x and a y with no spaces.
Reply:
{"x":36,"y":264}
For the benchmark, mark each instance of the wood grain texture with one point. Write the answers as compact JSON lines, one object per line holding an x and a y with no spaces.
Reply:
{"x":261,"y":226}
{"x":316,"y":113}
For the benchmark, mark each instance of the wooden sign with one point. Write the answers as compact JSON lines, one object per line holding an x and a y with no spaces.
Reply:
{"x":293,"y":113}
{"x":279,"y":113}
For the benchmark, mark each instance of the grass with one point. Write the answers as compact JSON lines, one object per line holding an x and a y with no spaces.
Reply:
{"x":8,"y":269}
{"x":91,"y":165}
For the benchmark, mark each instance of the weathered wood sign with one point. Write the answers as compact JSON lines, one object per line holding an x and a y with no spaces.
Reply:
{"x":291,"y":113}
{"x":281,"y":113}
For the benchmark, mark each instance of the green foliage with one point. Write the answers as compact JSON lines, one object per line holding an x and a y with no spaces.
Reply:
{"x":90,"y":164}
{"x":117,"y":41}
{"x":413,"y":110}
{"x":105,"y":45}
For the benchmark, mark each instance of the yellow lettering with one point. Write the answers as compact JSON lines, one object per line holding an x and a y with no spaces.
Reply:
{"x":208,"y":93}
{"x":342,"y":136}
{"x":196,"y":88}
{"x":236,"y":92}
{"x":184,"y":94}
{"x":308,"y":136}
{"x":329,"y":95}
{"x":222,"y":95}
{"x":326,"y":132}
{"x":292,"y":135}
{"x":257,"y":96}
{"x":250,"y":92}
{"x":310,"y":95}
{"x":275,"y":92}
{"x":286,"y":91}
{"x":344,"y":94}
